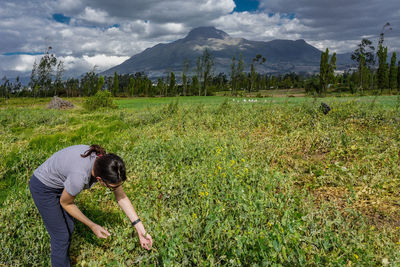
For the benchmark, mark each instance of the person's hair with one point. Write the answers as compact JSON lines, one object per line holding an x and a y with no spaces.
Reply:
{"x":108,"y":166}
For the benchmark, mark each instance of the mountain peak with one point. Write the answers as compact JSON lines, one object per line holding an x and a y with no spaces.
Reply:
{"x":205,"y":33}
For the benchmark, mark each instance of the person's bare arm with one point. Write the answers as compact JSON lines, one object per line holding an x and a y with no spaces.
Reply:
{"x":67,"y":202}
{"x":127,"y":207}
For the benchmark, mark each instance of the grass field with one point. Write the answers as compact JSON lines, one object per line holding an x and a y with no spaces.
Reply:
{"x":216,"y":181}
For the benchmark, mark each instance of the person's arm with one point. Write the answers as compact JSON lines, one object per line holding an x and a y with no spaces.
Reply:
{"x":127,"y":207}
{"x":67,"y":202}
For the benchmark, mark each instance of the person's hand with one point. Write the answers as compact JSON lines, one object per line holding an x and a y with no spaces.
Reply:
{"x":99,"y":231}
{"x":145,"y":240}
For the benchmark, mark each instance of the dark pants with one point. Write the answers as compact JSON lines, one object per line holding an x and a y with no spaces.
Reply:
{"x":58,"y":222}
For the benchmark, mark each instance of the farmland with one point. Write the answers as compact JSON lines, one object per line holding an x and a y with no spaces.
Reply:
{"x":216,"y":180}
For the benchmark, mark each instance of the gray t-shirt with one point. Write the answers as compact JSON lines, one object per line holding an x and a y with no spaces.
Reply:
{"x":67,"y":169}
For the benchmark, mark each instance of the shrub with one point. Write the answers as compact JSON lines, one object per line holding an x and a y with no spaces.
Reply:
{"x":102,"y":99}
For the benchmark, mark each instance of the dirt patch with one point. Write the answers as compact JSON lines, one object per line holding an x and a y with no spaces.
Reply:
{"x":58,"y":103}
{"x":381,"y":211}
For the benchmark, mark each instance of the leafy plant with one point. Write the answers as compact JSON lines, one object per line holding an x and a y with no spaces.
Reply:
{"x":102,"y":99}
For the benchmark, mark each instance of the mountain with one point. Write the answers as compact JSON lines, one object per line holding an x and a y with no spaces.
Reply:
{"x":282,"y":56}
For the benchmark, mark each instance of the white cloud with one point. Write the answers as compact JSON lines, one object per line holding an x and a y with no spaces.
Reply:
{"x":95,"y":15}
{"x":104,"y":62}
{"x":27,"y":26}
{"x":260,"y":26}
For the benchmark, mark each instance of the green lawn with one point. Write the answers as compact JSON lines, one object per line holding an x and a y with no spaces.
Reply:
{"x":216,"y":180}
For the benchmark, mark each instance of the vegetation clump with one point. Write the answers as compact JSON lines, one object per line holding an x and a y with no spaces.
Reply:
{"x":102,"y":99}
{"x":219,"y":182}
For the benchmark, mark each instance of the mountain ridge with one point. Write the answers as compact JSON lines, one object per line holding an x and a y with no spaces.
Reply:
{"x":282,"y":56}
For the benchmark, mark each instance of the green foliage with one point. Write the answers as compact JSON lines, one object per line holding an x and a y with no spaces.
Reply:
{"x":115,"y":84}
{"x":398,"y":76}
{"x":42,"y":73}
{"x":171,"y":86}
{"x":90,"y":83}
{"x":382,"y":72}
{"x":393,"y":73}
{"x":100,"y":83}
{"x":102,"y":99}
{"x":326,"y":71}
{"x":216,"y":181}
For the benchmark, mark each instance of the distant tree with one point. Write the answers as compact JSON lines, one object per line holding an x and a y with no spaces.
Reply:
{"x":398,"y":76}
{"x":233,"y":75}
{"x":172,"y":82}
{"x":115,"y":84}
{"x":160,"y":86}
{"x":184,"y":75}
{"x":326,"y":72}
{"x":5,"y":87}
{"x":16,"y":88}
{"x":207,"y":63}
{"x":109,"y":83}
{"x":131,"y":86}
{"x":58,"y":82}
{"x":100,"y":84}
{"x":199,"y":73}
{"x":366,"y":49}
{"x":258,"y":59}
{"x":33,"y":79}
{"x":365,"y":59}
{"x":71,"y":86}
{"x":195,"y":84}
{"x":382,"y":72}
{"x":45,"y":71}
{"x":239,"y":72}
{"x":89,"y":82}
{"x":393,"y":73}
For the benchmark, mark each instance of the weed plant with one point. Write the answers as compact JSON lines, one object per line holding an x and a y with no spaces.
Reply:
{"x":226,"y":183}
{"x":102,"y":99}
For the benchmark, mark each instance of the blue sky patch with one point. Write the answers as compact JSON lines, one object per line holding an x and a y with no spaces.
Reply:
{"x":246,"y":5}
{"x":288,"y":16}
{"x":22,"y":53}
{"x":61,"y":18}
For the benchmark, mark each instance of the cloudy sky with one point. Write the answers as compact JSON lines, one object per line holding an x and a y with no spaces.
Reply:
{"x":103,"y":33}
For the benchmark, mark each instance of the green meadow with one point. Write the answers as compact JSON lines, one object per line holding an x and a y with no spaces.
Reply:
{"x":217,"y":181}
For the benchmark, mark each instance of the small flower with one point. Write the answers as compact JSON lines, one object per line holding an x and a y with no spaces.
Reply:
{"x":356,"y":256}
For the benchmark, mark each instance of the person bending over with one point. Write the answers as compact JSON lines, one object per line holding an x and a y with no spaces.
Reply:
{"x":55,"y":184}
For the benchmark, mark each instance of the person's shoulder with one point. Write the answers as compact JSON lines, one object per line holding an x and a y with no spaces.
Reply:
{"x":76,"y":147}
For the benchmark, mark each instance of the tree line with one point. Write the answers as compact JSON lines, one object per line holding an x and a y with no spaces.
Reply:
{"x":373,"y":73}
{"x":373,"y":70}
{"x":47,"y":80}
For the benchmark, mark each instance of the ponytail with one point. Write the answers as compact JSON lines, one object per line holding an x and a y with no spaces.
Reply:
{"x":94,"y":148}
{"x":110,"y":167}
